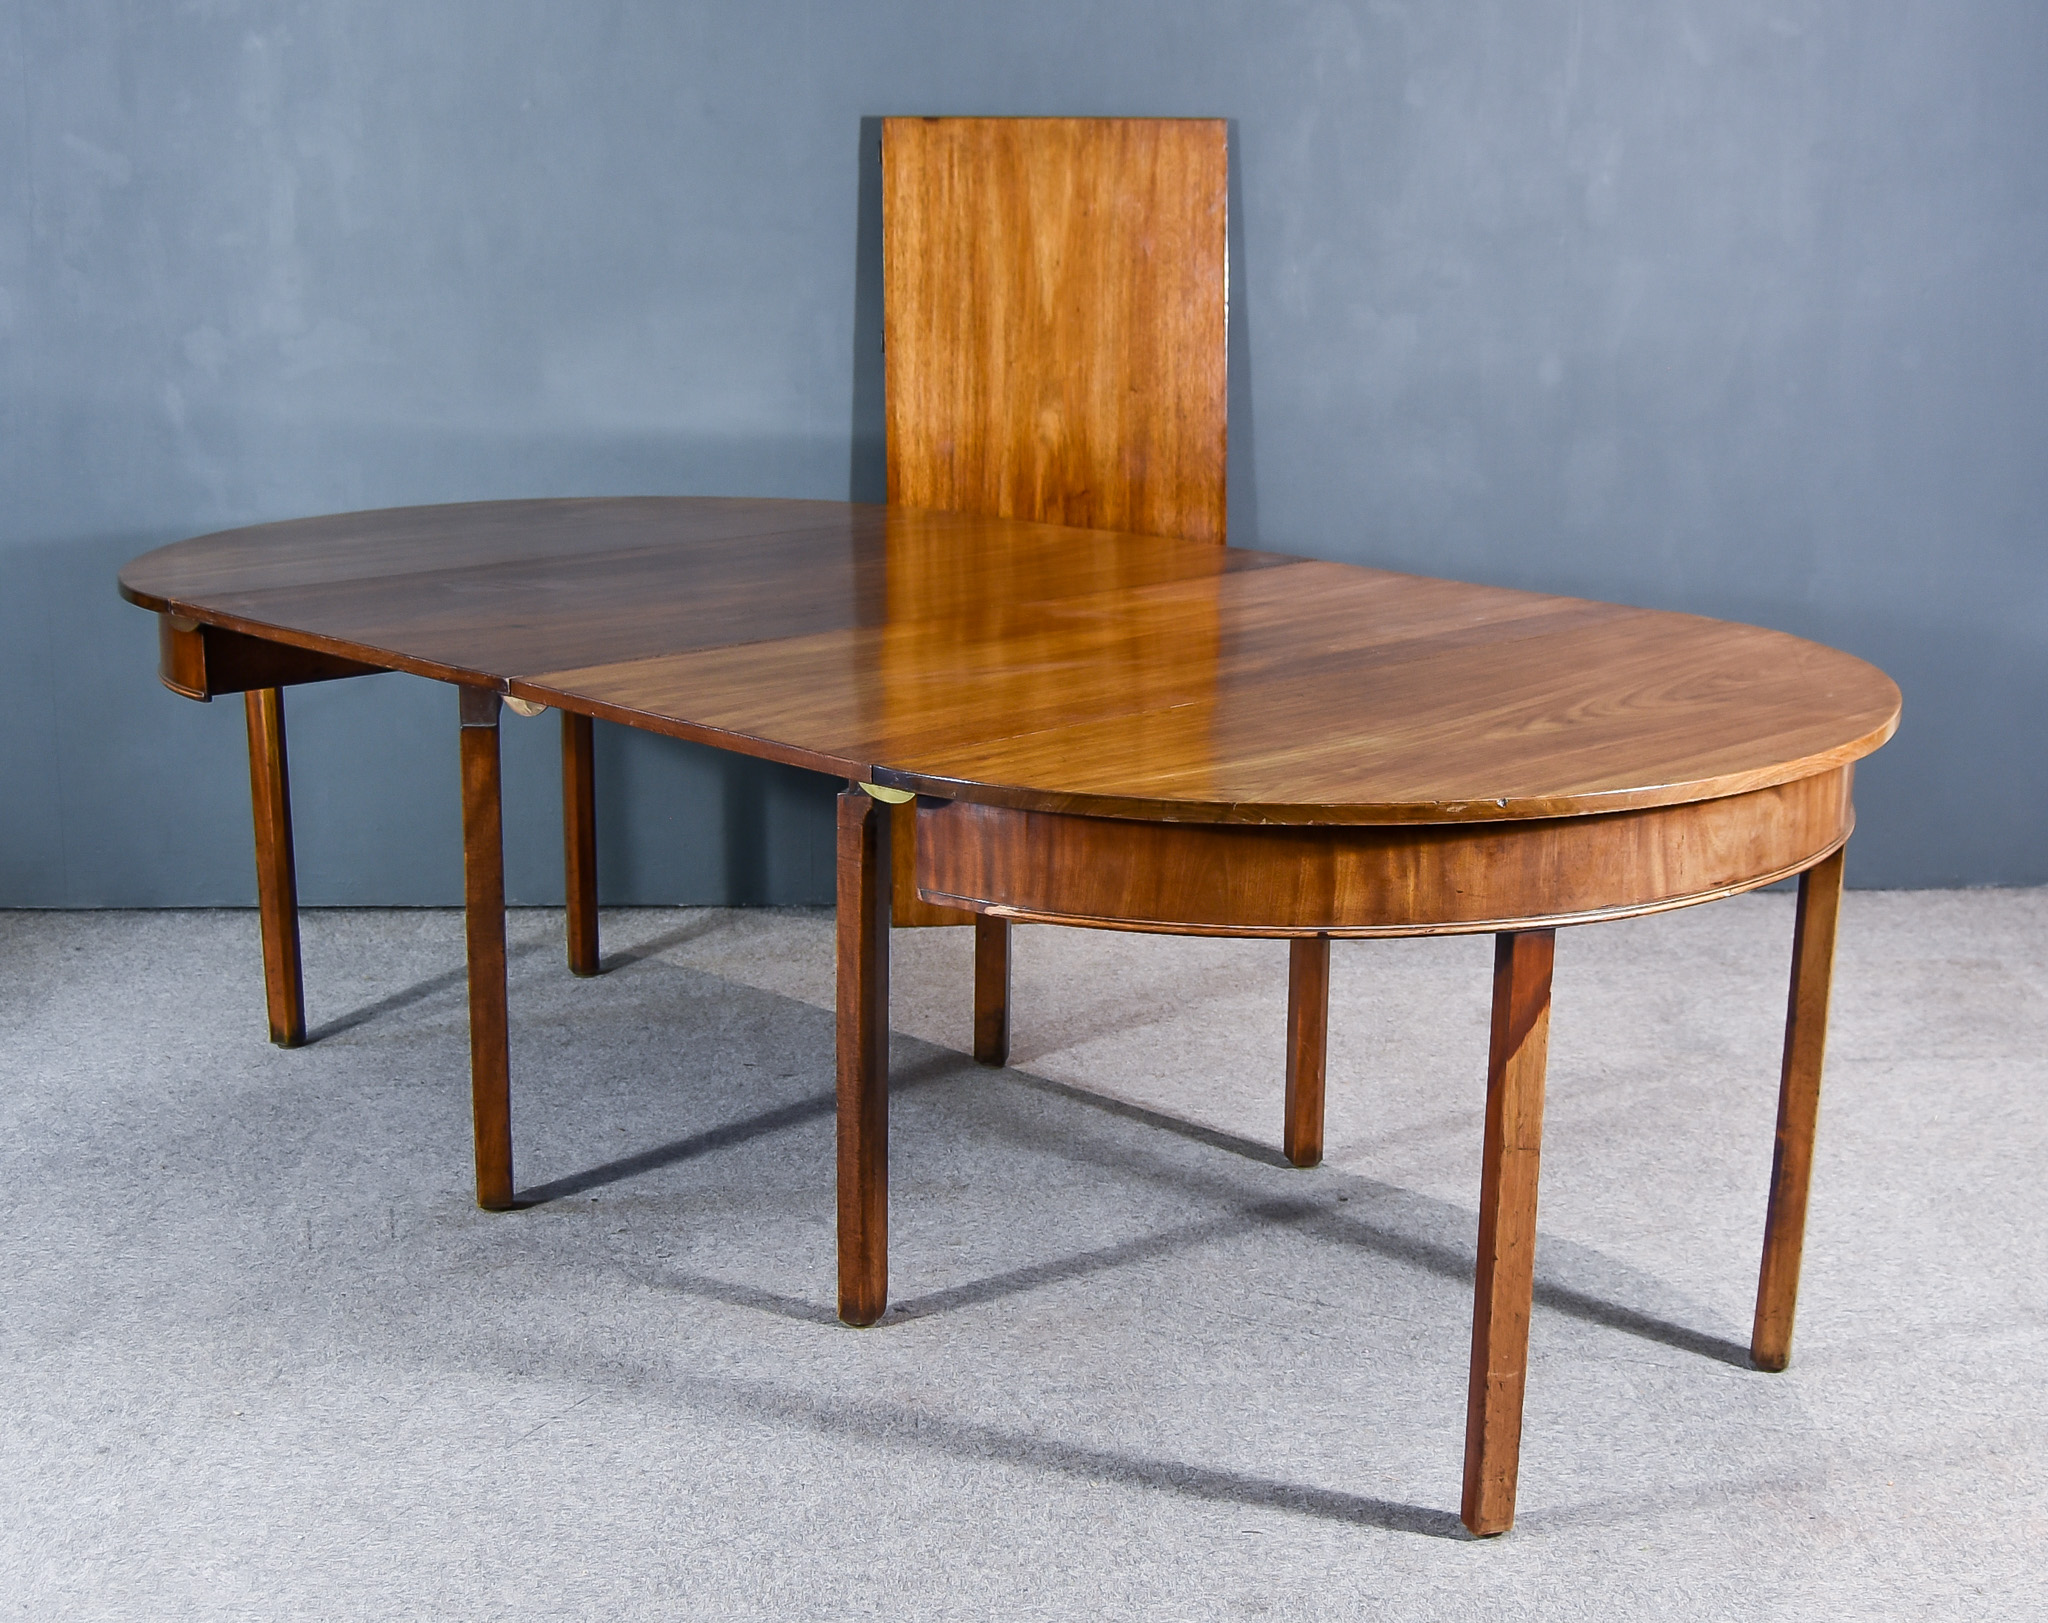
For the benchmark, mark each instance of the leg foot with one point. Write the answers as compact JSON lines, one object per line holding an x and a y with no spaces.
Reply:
{"x":863,"y":952}
{"x":1806,"y":1032}
{"x":277,"y":886}
{"x":1507,"y":1227}
{"x":483,"y":873}
{"x":1308,"y":1026}
{"x":579,"y":842}
{"x":991,"y":990}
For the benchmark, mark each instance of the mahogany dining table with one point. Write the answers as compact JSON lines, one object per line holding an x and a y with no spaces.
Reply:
{"x":1115,"y":731}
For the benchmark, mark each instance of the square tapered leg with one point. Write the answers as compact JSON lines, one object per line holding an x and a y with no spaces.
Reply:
{"x":991,"y":990}
{"x":277,"y":885}
{"x":1308,"y":1026}
{"x":1806,"y":1035}
{"x":483,"y":874}
{"x":1506,"y":1273}
{"x":863,"y":1047}
{"x":579,"y":842}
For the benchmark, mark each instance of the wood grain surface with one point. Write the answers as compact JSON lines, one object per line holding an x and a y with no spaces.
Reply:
{"x":1040,"y":667}
{"x":1373,"y":880}
{"x":1126,"y":730}
{"x":1054,"y":302}
{"x":1053,"y":319}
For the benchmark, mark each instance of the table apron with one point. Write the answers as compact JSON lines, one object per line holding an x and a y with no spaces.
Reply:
{"x":200,"y":661}
{"x":1373,"y":880}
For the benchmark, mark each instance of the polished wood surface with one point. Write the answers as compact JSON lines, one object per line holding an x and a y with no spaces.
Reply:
{"x":863,"y":1050}
{"x":1373,"y":879}
{"x":1308,"y":1025}
{"x":483,"y":885}
{"x":1053,"y":318}
{"x":579,"y":842}
{"x":906,"y":907}
{"x":1048,"y":668}
{"x":1806,"y":1025}
{"x":277,"y":884}
{"x":1503,"y":1285}
{"x":1125,"y":731}
{"x":1054,"y":309}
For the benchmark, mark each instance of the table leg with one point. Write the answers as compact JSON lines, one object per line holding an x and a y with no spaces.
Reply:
{"x":483,"y":873}
{"x":579,"y":842}
{"x":991,"y":990}
{"x":1507,"y":1226}
{"x":1308,"y":1027}
{"x":1806,"y":1034}
{"x":863,"y":1042}
{"x":277,"y":886}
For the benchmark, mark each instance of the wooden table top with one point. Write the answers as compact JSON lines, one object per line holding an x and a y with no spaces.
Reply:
{"x":1054,"y":669}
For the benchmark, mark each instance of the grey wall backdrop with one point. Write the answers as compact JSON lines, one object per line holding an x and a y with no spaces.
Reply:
{"x":1718,"y":305}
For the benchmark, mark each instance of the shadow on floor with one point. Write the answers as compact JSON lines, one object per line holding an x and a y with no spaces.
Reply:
{"x":1399,"y":1232}
{"x":915,"y":1064}
{"x":418,"y":992}
{"x":655,"y":946}
{"x":965,"y":1440}
{"x":680,"y":1149}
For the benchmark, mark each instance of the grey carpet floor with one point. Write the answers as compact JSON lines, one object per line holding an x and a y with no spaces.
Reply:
{"x":263,"y":1358}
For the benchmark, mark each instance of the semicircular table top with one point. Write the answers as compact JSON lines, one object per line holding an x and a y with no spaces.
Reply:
{"x":1052,"y":669}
